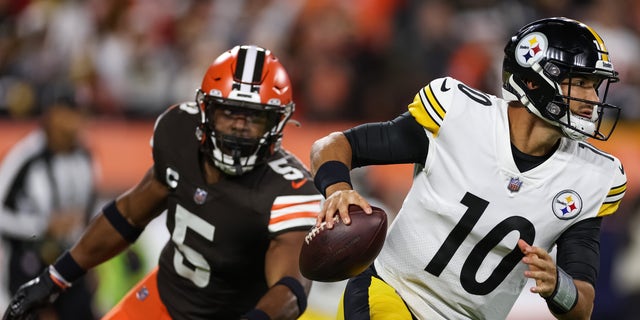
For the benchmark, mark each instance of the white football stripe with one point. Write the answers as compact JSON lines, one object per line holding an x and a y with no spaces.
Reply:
{"x":297,"y":199}
{"x":249,"y":69}
{"x":429,"y":108}
{"x":614,"y":198}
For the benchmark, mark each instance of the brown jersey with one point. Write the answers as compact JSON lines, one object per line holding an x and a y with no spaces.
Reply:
{"x":213,"y":265}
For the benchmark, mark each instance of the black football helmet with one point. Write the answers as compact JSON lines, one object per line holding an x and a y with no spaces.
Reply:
{"x":548,"y":51}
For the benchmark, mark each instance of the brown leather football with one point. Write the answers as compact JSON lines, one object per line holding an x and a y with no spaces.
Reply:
{"x":336,"y":254}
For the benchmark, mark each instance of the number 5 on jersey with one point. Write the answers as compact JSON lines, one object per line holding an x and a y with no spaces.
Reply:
{"x":201,"y":272}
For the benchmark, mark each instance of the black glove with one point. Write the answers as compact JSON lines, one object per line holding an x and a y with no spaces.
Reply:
{"x":32,"y":296}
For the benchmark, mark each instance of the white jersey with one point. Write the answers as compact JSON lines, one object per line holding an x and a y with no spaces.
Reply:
{"x":451,"y":252}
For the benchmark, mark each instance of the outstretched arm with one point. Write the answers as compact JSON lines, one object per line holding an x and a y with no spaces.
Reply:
{"x":138,"y":206}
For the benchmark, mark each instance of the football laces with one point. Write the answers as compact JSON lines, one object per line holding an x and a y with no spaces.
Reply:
{"x":316,"y":230}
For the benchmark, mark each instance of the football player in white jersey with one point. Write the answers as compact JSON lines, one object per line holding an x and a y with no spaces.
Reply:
{"x":501,"y":182}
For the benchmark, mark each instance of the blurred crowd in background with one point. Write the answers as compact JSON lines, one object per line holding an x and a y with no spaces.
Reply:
{"x":349,"y":60}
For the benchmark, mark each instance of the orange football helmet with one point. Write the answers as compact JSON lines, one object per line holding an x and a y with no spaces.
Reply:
{"x":251,"y":80}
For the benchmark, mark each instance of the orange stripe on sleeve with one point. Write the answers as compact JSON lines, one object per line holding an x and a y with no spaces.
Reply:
{"x":285,"y":205}
{"x":295,"y":215}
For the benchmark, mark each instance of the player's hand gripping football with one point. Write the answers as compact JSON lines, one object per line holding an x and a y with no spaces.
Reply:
{"x":542,"y":268}
{"x":339,"y":197}
{"x":32,"y":296}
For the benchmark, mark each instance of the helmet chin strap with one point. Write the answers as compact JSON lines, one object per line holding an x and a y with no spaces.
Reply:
{"x":233,"y":164}
{"x":572,"y":124}
{"x":235,"y":154}
{"x":578,"y":125}
{"x":521,"y":96}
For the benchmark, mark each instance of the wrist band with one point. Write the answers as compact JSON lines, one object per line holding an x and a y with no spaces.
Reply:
{"x":297,"y":289}
{"x":256,"y":314}
{"x":66,"y":269}
{"x":57,"y":279}
{"x":329,"y":173}
{"x":564,"y":296}
{"x":114,"y":216}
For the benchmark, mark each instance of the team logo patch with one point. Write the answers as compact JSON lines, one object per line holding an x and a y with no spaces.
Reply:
{"x":142,"y":294}
{"x":567,"y":204}
{"x":531,"y":49}
{"x":200,"y":196}
{"x":514,"y":184}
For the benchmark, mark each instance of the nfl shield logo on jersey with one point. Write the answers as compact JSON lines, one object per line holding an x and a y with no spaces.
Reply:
{"x":142,"y":294}
{"x":514,"y":184}
{"x":200,"y":196}
{"x":567,"y":204}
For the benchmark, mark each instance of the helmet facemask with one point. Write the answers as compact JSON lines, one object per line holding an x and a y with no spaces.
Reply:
{"x":234,"y":153}
{"x":597,"y":126}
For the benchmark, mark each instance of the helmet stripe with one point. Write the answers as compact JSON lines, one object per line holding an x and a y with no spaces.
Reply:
{"x":600,"y":43}
{"x":250,"y":66}
{"x":242,"y":57}
{"x":257,"y":74}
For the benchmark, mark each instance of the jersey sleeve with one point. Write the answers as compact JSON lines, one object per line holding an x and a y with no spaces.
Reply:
{"x":294,"y":212}
{"x":616,"y":192}
{"x":174,"y":138}
{"x":430,"y":104}
{"x":297,"y":202}
{"x":391,"y":142}
{"x":579,"y":250}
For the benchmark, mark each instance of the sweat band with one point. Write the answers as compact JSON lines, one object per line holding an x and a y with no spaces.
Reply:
{"x":564,"y":296}
{"x":256,"y":314}
{"x":331,"y":172}
{"x":128,"y":231}
{"x":57,"y":278}
{"x":297,"y":289}
{"x":66,"y":269}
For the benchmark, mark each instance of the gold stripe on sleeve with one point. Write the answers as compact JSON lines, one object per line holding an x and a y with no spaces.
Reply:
{"x":617,"y":190}
{"x":426,"y":109}
{"x":608,"y":208}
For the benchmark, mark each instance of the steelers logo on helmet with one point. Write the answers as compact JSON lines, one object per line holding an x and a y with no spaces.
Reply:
{"x":567,"y":204}
{"x":531,"y":49}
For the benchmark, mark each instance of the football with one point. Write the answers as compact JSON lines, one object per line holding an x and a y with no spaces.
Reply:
{"x":330,"y":255}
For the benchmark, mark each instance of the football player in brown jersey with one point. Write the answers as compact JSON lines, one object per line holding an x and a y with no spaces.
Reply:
{"x":238,"y":207}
